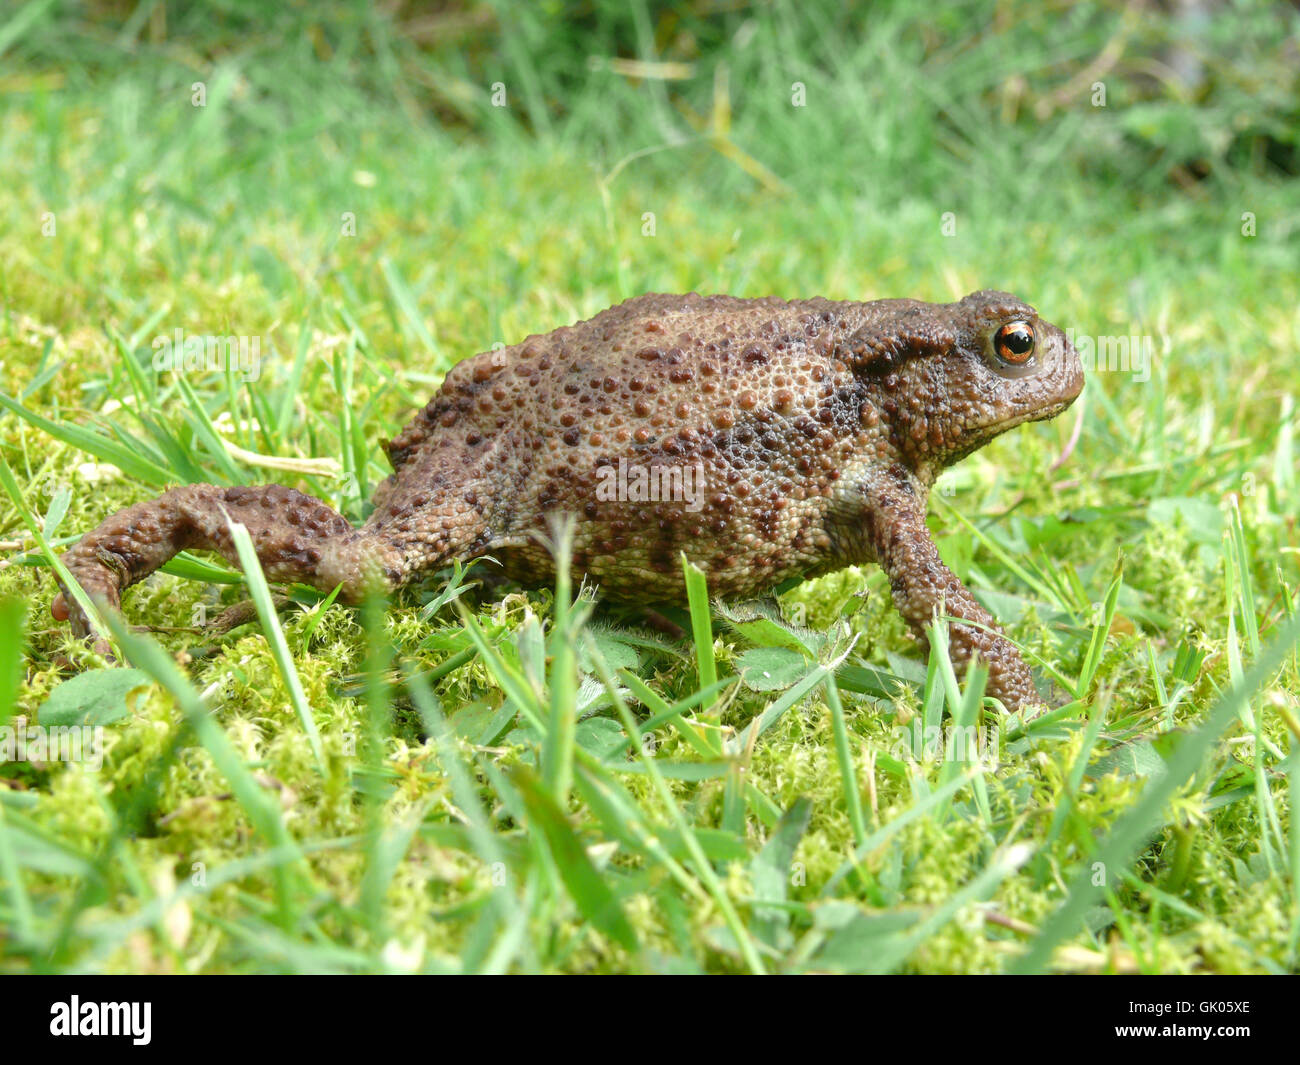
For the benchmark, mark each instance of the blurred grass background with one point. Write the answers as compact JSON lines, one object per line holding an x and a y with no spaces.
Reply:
{"x":500,"y":164}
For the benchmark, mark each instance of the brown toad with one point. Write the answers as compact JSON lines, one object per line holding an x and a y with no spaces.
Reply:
{"x":765,"y":438}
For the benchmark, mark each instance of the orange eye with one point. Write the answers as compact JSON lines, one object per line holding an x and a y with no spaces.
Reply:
{"x":1014,"y":342}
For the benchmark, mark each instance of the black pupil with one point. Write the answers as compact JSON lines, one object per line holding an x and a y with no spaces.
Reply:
{"x":1018,"y":340}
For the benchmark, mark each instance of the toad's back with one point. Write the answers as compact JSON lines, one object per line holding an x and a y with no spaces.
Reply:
{"x":667,"y":422}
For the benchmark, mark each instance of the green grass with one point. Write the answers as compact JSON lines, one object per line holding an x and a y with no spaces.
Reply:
{"x":470,"y":782}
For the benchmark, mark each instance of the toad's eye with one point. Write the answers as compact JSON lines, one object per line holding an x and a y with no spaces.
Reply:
{"x":1014,"y":342}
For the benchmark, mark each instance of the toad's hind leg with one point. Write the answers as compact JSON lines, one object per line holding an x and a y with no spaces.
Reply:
{"x":426,"y":527}
{"x":447,"y":503}
{"x":297,"y":538}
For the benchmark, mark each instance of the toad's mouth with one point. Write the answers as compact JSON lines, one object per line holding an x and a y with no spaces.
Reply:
{"x":1043,"y":413}
{"x":1037,"y":414}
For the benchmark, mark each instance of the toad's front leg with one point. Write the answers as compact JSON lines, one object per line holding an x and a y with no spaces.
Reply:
{"x":923,"y":586}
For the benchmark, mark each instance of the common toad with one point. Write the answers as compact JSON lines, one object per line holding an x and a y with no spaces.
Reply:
{"x":765,"y":438}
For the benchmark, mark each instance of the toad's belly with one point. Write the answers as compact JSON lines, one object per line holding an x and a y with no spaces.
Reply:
{"x":638,"y":556}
